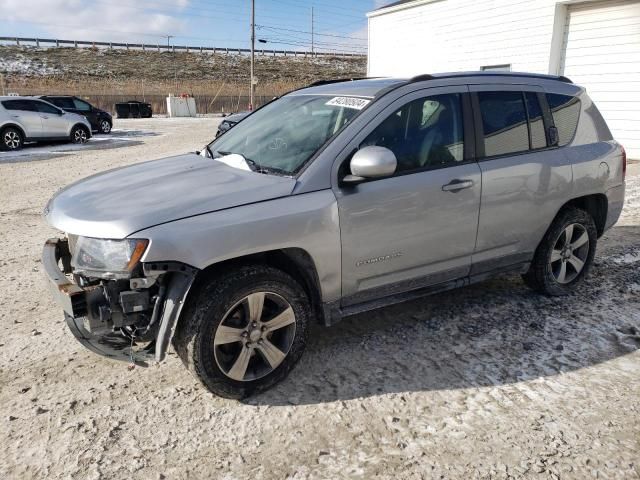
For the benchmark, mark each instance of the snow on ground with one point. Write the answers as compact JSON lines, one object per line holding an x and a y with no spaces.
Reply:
{"x":489,"y":381}
{"x":627,"y":258}
{"x":21,"y":64}
{"x":37,"y":150}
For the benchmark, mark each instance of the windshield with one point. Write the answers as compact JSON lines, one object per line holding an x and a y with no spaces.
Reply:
{"x":282,"y":136}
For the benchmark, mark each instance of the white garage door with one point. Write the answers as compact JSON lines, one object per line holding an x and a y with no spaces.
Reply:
{"x":601,"y":52}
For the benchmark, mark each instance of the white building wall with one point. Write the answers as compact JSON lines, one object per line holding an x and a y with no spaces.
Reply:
{"x":601,"y":50}
{"x":457,"y":35}
{"x":595,"y":43}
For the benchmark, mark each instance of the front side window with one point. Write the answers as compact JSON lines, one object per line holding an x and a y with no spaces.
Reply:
{"x":423,"y":134}
{"x":504,"y":123}
{"x":282,"y":136}
{"x":565,"y":110}
{"x":45,"y":108}
{"x":80,"y":105}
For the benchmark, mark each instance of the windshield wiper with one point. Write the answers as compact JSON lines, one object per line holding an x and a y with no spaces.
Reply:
{"x":262,"y":169}
{"x":254,"y":166}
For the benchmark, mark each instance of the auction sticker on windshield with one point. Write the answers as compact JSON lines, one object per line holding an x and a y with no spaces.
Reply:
{"x":348,"y":102}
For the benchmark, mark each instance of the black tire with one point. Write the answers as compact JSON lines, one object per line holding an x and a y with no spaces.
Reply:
{"x":104,"y":126}
{"x":80,"y":134}
{"x":209,"y":306}
{"x":11,"y":139}
{"x":541,"y":276}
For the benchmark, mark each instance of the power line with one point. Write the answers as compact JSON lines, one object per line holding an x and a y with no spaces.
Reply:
{"x":318,"y":48}
{"x":277,"y":27}
{"x":154,"y":35}
{"x":332,"y":10}
{"x":267,"y":27}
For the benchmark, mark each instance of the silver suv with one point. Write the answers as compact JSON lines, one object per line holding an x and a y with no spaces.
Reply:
{"x":332,"y":200}
{"x":27,"y":119}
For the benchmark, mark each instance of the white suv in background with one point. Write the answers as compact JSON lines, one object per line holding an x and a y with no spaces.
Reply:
{"x":24,"y":119}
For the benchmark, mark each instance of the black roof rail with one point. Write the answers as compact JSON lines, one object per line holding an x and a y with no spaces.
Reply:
{"x":337,"y":80}
{"x":421,"y":78}
{"x":426,"y":76}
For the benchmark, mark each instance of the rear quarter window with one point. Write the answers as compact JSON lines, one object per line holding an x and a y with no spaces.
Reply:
{"x":565,"y":110}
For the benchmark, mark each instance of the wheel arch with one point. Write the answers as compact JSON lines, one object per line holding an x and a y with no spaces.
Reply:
{"x":81,"y":125}
{"x":596,"y":205}
{"x":295,"y":262}
{"x":16,"y":126}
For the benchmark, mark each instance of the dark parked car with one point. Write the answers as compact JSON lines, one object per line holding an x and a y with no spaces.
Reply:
{"x":134,"y":109}
{"x":230,"y":121}
{"x":100,"y":120}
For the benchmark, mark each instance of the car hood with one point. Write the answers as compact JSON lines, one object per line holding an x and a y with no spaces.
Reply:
{"x":236,"y":117}
{"x":117,"y":203}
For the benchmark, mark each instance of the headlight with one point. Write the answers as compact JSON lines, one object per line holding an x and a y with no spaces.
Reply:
{"x":105,"y":258}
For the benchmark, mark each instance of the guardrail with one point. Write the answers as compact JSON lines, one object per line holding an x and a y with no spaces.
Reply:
{"x":167,"y":48}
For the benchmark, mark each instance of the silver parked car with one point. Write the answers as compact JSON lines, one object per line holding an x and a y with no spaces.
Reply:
{"x":28,"y":119}
{"x":362,"y":194}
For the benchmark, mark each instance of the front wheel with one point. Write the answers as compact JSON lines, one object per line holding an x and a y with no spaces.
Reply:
{"x":79,"y":134}
{"x":565,"y":254}
{"x":243,"y":332}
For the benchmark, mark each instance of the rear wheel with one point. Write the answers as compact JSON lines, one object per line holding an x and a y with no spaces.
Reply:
{"x":244,"y":331}
{"x":12,"y":139}
{"x":79,"y":134}
{"x":105,"y":126}
{"x":565,"y":254}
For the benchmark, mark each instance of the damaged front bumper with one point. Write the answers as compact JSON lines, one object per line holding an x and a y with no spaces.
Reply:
{"x":131,"y":320}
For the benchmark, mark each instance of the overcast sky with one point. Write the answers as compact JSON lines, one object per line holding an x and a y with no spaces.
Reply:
{"x":285,"y":24}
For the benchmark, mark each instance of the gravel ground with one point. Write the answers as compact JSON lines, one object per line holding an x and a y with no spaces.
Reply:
{"x":491,"y":381}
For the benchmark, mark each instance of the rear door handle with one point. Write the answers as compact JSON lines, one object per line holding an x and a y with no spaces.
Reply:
{"x":457,"y":185}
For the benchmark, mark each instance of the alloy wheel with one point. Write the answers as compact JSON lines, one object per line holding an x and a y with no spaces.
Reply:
{"x":569,"y":253}
{"x":12,"y":140}
{"x":254,"y":336}
{"x":80,"y":136}
{"x":105,"y":127}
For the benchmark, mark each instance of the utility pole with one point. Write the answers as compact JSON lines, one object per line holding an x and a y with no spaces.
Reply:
{"x":253,"y":43}
{"x":169,"y":37}
{"x":312,"y":34}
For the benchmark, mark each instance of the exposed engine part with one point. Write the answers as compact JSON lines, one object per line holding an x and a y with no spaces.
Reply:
{"x":134,"y":301}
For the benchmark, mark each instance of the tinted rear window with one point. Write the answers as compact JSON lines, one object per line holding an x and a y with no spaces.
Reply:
{"x":504,"y":123}
{"x":18,"y":105}
{"x":565,"y":110}
{"x":62,"y":102}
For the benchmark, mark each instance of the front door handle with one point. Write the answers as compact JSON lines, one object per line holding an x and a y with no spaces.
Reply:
{"x":457,"y":185}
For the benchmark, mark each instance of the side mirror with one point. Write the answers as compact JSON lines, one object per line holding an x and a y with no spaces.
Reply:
{"x":371,"y":162}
